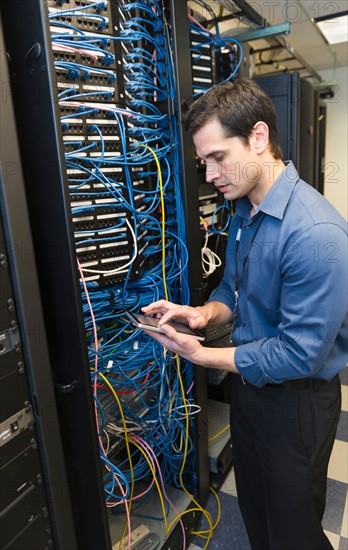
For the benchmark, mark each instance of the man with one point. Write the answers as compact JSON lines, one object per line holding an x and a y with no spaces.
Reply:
{"x":285,"y":290}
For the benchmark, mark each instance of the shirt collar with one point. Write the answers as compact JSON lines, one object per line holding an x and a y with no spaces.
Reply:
{"x":277,"y":198}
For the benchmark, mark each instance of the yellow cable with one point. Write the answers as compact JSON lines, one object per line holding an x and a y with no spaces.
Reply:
{"x":201,"y":533}
{"x":163,"y":218}
{"x":200,"y":508}
{"x":219,"y":433}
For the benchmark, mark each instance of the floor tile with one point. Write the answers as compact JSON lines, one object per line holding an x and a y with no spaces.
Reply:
{"x":344,"y":530}
{"x":342,"y":428}
{"x":336,"y":497}
{"x":338,"y":466}
{"x":343,"y":545}
{"x":333,"y":538}
{"x":229,"y":485}
{"x":344,"y":390}
{"x":344,"y":376}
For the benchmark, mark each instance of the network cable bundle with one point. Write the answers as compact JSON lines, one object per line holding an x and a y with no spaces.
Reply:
{"x":116,"y":88}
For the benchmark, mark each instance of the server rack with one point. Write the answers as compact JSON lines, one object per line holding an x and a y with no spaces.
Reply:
{"x":296,"y":103}
{"x":321,"y":144}
{"x":33,"y":84}
{"x":285,"y":92}
{"x":309,"y":130}
{"x":35,"y":501}
{"x":35,"y":106}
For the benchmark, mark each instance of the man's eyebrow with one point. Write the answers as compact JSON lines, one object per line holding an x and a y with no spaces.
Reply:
{"x":211,"y":154}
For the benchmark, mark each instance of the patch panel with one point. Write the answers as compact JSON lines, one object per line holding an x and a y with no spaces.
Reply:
{"x":84,"y":3}
{"x":86,"y":19}
{"x":96,"y":246}
{"x":201,"y":60}
{"x":104,"y":138}
{"x":202,"y":80}
{"x":95,"y":93}
{"x":97,"y":60}
{"x":89,"y":5}
{"x":92,"y":222}
{"x":85,"y":23}
{"x":94,"y":77}
{"x":202,"y":73}
{"x":68,"y":109}
{"x":114,"y":263}
{"x":95,"y":257}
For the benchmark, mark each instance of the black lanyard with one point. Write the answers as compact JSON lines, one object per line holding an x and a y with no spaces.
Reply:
{"x":245,"y":260}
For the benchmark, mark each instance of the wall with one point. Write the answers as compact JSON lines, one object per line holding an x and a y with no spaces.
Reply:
{"x":336,"y":176}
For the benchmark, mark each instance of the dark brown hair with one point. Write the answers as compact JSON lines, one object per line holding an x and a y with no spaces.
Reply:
{"x":238,"y":107}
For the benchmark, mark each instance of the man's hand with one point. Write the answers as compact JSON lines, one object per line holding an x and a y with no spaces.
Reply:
{"x":187,"y":347}
{"x":194,"y":317}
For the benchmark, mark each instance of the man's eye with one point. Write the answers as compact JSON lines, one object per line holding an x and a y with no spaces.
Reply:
{"x":218,"y":159}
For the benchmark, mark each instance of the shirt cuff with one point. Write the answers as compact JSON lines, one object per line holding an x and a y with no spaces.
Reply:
{"x":248,"y":363}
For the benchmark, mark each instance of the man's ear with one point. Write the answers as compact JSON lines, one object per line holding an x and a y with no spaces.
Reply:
{"x":260,"y":137}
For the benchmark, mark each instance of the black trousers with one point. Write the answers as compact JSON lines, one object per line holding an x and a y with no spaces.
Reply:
{"x":282,"y":440}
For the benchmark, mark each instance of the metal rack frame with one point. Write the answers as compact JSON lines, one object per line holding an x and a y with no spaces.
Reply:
{"x":33,"y":85}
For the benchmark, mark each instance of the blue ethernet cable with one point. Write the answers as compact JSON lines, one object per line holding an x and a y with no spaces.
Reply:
{"x":76,"y":11}
{"x":148,"y":288}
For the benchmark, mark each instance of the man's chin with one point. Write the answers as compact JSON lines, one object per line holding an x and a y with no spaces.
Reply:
{"x":229,"y":195}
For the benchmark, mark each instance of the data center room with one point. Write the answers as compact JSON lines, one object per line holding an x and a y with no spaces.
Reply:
{"x":119,"y":120}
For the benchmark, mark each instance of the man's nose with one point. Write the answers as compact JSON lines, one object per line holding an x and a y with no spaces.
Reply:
{"x":212,"y":171}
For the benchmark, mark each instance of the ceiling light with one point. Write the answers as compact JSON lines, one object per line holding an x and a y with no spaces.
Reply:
{"x":334,"y":27}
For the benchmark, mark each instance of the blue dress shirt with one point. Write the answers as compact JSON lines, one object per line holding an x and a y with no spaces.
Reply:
{"x":292,"y":317}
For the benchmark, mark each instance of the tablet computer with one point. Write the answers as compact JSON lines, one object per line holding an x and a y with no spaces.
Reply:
{"x":151,"y":323}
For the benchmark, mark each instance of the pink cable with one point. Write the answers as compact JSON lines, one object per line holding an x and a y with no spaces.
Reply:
{"x":57,"y":46}
{"x":190,"y":388}
{"x":95,"y":393}
{"x":150,"y":452}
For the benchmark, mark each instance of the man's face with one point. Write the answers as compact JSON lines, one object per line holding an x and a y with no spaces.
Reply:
{"x":231,"y":165}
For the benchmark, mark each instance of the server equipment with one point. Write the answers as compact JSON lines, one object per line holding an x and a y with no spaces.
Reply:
{"x":296,"y":102}
{"x":35,"y":510}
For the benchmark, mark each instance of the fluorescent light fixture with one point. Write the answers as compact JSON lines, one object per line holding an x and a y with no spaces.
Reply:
{"x":334,"y":27}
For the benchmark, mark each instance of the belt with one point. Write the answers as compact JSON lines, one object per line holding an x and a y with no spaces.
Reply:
{"x":300,"y":384}
{"x":297,"y":384}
